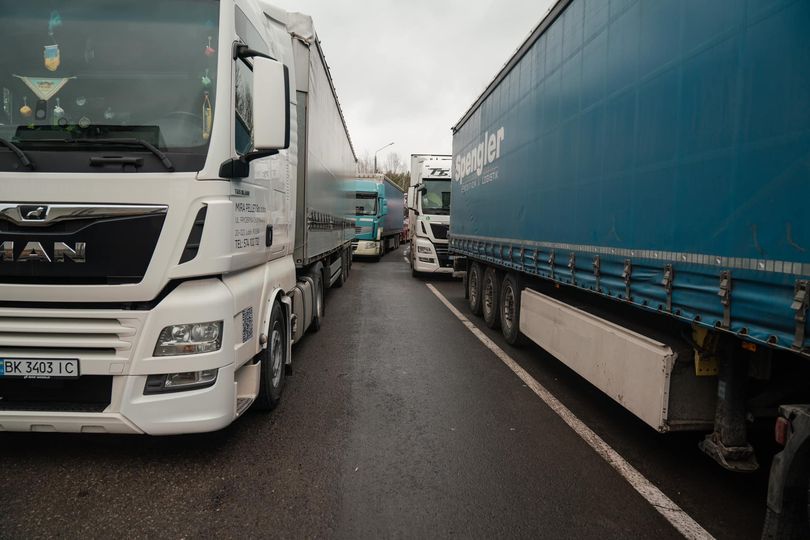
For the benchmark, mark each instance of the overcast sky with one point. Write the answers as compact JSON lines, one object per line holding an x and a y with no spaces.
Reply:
{"x":406,"y":70}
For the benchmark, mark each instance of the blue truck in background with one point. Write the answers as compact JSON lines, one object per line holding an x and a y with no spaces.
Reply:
{"x":379,"y":215}
{"x":630,"y":193}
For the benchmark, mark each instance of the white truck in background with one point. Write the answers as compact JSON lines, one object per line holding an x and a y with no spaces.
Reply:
{"x":428,"y":203}
{"x":171,"y":212}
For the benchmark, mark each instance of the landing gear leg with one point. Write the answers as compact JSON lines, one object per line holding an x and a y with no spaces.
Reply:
{"x":728,"y":445}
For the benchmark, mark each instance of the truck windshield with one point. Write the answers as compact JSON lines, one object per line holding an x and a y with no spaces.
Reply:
{"x":366,"y":204}
{"x":436,"y":197}
{"x":94,"y":69}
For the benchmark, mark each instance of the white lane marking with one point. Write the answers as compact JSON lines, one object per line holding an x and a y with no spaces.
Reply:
{"x":673,"y":513}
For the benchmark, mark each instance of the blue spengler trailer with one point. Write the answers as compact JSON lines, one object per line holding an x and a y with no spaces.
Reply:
{"x":630,"y":193}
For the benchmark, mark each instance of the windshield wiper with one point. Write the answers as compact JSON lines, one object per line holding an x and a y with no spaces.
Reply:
{"x":135,"y":142}
{"x":17,"y":152}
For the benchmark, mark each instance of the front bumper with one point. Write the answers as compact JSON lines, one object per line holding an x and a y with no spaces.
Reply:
{"x":437,"y":261}
{"x":365,"y":248}
{"x":117,"y":346}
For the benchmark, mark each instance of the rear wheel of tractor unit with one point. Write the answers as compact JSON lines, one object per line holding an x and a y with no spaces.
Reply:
{"x":475,"y":278}
{"x":510,"y":310}
{"x":490,"y":297}
{"x":273,"y":361}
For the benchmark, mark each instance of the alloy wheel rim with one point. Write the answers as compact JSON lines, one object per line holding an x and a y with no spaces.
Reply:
{"x":276,"y":356}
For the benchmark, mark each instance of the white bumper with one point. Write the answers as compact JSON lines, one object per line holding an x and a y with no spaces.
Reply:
{"x":117,"y":346}
{"x":366,"y":248}
{"x":427,"y":260}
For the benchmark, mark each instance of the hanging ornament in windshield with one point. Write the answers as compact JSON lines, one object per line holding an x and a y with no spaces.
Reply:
{"x":206,"y":80}
{"x":209,"y":50}
{"x":25,"y":110}
{"x":208,"y":117}
{"x":54,"y":22}
{"x":43,"y":87}
{"x":51,"y":53}
{"x":52,"y":57}
{"x":58,"y":113}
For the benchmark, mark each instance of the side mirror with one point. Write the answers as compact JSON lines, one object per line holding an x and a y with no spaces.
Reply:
{"x":411,"y":204}
{"x":271,"y":105}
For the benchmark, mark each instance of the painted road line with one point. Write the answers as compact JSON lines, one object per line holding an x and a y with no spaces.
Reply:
{"x":673,"y":513}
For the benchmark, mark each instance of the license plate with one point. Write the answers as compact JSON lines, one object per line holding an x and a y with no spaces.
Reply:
{"x":39,"y":368}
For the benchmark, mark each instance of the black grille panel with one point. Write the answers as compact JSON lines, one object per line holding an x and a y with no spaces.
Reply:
{"x":439,"y":230}
{"x":89,"y":393}
{"x":194,"y":237}
{"x":118,"y":250}
{"x":443,"y":254}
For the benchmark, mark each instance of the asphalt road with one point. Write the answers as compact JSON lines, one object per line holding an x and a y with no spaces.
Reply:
{"x":397,"y":422}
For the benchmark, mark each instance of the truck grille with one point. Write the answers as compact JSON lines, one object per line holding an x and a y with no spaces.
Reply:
{"x":443,"y":254}
{"x":42,"y":337}
{"x":439,"y":230}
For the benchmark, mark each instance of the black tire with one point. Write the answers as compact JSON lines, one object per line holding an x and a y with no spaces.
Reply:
{"x":318,"y":309}
{"x":273,"y":363}
{"x":491,"y":297}
{"x":344,"y":269}
{"x":509,"y":310}
{"x":475,"y":278}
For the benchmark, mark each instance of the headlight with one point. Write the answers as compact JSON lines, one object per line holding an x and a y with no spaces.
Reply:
{"x":423,"y":249}
{"x":196,"y":338}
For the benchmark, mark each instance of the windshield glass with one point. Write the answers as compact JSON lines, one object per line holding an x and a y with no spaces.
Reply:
{"x":436,"y":197}
{"x":366,"y":204}
{"x":100,"y":69}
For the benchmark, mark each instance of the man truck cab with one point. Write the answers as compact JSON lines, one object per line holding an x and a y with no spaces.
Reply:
{"x":429,"y":214}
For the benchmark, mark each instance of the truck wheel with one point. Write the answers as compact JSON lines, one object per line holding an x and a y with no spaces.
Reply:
{"x":491,"y":297}
{"x":317,"y":318}
{"x":510,"y":310}
{"x":273,"y":361}
{"x":474,"y":279}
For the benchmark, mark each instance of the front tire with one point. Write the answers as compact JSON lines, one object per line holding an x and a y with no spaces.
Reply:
{"x":273,"y":363}
{"x":474,"y":279}
{"x":510,"y":310}
{"x":491,"y":297}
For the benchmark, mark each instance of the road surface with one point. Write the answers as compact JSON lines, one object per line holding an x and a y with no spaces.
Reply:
{"x":397,"y":422}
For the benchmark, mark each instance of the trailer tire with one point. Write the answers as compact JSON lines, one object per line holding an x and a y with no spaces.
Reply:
{"x":475,"y":278}
{"x":510,"y":310}
{"x":317,"y":318}
{"x":273,"y":363}
{"x":491,"y":297}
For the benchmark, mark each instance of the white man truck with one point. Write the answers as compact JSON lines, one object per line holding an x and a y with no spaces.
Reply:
{"x":429,"y":214}
{"x":171,"y":211}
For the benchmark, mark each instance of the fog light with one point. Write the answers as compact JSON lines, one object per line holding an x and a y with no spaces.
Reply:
{"x":196,"y":338}
{"x":423,"y":249}
{"x":179,"y":382}
{"x":427,"y":260}
{"x":370,"y":245}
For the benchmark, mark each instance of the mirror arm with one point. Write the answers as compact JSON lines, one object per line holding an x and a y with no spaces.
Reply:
{"x":240,"y":167}
{"x":242,"y":51}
